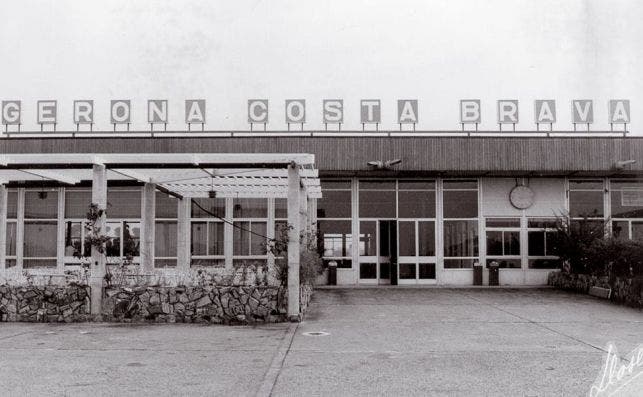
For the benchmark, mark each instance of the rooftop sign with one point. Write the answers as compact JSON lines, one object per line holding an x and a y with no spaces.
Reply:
{"x":295,"y":112}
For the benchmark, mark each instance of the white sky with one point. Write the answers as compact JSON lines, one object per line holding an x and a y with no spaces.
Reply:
{"x":228,"y":52}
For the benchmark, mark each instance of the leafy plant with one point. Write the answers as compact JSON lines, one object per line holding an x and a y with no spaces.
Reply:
{"x":310,"y":261}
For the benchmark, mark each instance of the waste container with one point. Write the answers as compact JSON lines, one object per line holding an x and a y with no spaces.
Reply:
{"x":477,"y":274}
{"x":494,"y":274}
{"x":332,"y":273}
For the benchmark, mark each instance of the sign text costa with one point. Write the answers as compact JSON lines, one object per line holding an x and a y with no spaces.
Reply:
{"x":295,"y":112}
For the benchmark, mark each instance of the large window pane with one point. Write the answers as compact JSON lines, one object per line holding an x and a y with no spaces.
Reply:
{"x":536,"y":243}
{"x":250,"y":208}
{"x":77,"y":203}
{"x":334,"y":204}
{"x":131,"y":238}
{"x":40,"y":239}
{"x":407,"y":239}
{"x":11,"y":239}
{"x":12,"y":204}
{"x":241,"y":245}
{"x":460,"y":203}
{"x":627,"y":203}
{"x":122,"y":203}
{"x":460,"y":238}
{"x":208,"y":207}
{"x":281,"y":208}
{"x":41,"y":204}
{"x":336,"y":238}
{"x":113,"y":245}
{"x":165,"y":239}
{"x":199,"y":238}
{"x":407,"y":271}
{"x":458,"y":263}
{"x":257,"y":241}
{"x":166,"y":206}
{"x":73,"y":240}
{"x":426,"y":238}
{"x":416,"y":204}
{"x":215,"y":238}
{"x":586,"y":203}
{"x":511,"y":243}
{"x":637,"y":231}
{"x":368,"y":238}
{"x":494,"y":243}
{"x":377,"y":204}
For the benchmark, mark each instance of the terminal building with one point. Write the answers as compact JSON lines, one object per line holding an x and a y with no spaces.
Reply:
{"x":425,"y":207}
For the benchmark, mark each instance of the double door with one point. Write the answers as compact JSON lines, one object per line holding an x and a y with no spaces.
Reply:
{"x":396,"y":252}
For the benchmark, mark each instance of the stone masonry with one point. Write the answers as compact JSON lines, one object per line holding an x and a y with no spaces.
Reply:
{"x":44,"y":303}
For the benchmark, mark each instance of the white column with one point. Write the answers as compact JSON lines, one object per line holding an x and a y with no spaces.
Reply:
{"x":293,"y":241}
{"x":183,"y":235}
{"x":99,"y":197}
{"x":3,"y":229}
{"x":228,"y":234}
{"x":147,"y":229}
{"x":60,"y":243}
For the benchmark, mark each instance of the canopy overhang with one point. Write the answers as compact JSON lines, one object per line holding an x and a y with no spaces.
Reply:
{"x":182,"y":174}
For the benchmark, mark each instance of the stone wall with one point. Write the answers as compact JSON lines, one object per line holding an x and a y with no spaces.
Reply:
{"x":44,"y":303}
{"x":624,"y":291}
{"x":219,"y":305}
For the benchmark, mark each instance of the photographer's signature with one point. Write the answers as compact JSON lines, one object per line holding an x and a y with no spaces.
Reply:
{"x":617,"y":374}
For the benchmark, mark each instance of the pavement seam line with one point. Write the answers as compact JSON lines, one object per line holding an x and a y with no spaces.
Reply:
{"x":541,"y":325}
{"x":272,"y":374}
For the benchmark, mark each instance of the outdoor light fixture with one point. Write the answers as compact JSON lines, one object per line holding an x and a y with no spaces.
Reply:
{"x":212,"y":193}
{"x":42,"y":195}
{"x":620,"y":165}
{"x":384,"y":165}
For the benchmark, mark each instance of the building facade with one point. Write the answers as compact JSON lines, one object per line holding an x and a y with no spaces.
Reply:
{"x":451,"y":202}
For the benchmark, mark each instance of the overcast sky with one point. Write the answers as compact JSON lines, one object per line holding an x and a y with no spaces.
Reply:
{"x":228,"y":52}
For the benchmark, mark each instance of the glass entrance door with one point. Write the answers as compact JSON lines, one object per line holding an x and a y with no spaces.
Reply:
{"x":377,"y":250}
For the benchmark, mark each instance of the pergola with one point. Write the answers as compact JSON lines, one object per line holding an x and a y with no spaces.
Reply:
{"x":182,"y":175}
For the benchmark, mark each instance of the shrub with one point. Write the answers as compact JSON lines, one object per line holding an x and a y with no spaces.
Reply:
{"x":310,"y":262}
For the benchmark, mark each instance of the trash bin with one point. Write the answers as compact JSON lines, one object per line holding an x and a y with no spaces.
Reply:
{"x":332,"y":273}
{"x":494,"y":274}
{"x":477,"y":274}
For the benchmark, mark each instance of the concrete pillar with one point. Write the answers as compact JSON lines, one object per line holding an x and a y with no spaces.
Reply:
{"x":99,"y":197}
{"x":3,"y":229}
{"x":293,"y":242}
{"x":183,"y":235}
{"x":147,"y":229}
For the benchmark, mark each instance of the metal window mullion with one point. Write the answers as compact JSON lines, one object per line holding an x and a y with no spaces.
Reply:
{"x":20,"y":230}
{"x":60,"y":227}
{"x":228,"y":242}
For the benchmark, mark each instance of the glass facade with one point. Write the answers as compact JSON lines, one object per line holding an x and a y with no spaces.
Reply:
{"x":427,"y":227}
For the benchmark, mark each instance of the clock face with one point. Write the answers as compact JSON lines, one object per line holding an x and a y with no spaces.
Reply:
{"x":521,"y":197}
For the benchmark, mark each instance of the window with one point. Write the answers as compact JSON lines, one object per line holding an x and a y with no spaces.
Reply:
{"x":627,"y":209}
{"x":165,"y":231}
{"x":77,"y":202}
{"x":336,"y":240}
{"x":123,"y":225}
{"x":207,"y":232}
{"x":377,"y":199}
{"x":40,"y":228}
{"x":250,"y":231}
{"x":334,"y":225}
{"x":335,"y":201}
{"x":460,"y":212}
{"x":416,"y":199}
{"x":541,"y":233}
{"x":12,"y":231}
{"x":503,"y":241}
{"x":586,"y":198}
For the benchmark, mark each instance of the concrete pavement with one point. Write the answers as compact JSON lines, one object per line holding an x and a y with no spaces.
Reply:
{"x":378,"y":341}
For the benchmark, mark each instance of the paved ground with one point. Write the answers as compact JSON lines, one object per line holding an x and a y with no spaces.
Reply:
{"x":389,"y":341}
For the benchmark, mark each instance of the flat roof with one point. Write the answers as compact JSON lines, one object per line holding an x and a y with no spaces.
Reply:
{"x":421,"y":155}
